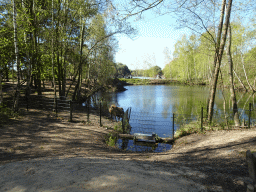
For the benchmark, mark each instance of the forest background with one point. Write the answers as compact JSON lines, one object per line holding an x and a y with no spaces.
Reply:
{"x":56,"y":40}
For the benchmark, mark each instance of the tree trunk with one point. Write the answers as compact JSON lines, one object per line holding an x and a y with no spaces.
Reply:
{"x":240,"y":80}
{"x":28,"y":63}
{"x":232,"y":89}
{"x":77,"y":87}
{"x":17,"y":92}
{"x":57,"y":49}
{"x":219,"y":35}
{"x":7,"y":73}
{"x":242,"y":57}
{"x":217,"y":46}
{"x":254,"y":82}
{"x":38,"y":63}
{"x":1,"y":91}
{"x":53,"y":74}
{"x":64,"y":77}
{"x":224,"y":100}
{"x":219,"y":58}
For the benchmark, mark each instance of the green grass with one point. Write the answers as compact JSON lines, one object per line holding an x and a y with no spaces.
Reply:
{"x":136,"y":81}
{"x":118,"y":127}
{"x":157,"y":81}
{"x":195,"y":127}
{"x":111,"y":139}
{"x":5,"y":114}
{"x":188,"y":129}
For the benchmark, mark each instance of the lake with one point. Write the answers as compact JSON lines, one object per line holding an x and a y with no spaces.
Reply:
{"x":153,"y":106}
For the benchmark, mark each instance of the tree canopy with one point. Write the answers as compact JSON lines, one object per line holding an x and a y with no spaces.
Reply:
{"x":57,"y":39}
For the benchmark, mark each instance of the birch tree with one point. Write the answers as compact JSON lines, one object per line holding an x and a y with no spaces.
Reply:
{"x":17,"y":61}
{"x":218,"y":54}
{"x":232,"y":89}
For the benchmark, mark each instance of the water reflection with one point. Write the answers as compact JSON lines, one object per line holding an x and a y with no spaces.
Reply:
{"x":156,"y":103}
{"x":130,"y":145}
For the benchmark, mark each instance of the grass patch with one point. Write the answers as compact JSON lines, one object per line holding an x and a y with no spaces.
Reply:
{"x":111,"y":139}
{"x":195,"y":127}
{"x":136,"y":81}
{"x":160,"y":81}
{"x":6,"y":113}
{"x":243,"y":153}
{"x":118,"y":127}
{"x":188,"y":129}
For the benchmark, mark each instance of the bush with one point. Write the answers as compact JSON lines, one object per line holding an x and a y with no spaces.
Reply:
{"x":118,"y":127}
{"x":6,"y":113}
{"x":188,"y":129}
{"x":111,"y":139}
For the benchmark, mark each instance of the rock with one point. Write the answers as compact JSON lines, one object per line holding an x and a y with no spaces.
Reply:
{"x":251,"y":161}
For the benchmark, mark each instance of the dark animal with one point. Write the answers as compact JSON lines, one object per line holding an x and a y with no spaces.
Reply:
{"x":117,"y":112}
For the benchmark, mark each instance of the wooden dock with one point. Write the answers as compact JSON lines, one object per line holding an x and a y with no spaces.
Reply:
{"x":161,"y":140}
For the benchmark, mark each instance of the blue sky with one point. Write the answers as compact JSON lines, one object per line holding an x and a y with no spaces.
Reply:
{"x":147,"y":48}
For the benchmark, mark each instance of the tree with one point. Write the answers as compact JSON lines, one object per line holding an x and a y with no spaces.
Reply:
{"x":218,"y":54}
{"x":154,"y":71}
{"x":232,"y":89}
{"x":69,"y":39}
{"x":17,"y":61}
{"x":122,"y":70}
{"x":199,"y":17}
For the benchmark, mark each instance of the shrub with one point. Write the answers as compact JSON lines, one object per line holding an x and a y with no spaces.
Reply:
{"x":6,"y":113}
{"x":111,"y":139}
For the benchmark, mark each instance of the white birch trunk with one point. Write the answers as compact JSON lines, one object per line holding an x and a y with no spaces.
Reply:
{"x":17,"y":92}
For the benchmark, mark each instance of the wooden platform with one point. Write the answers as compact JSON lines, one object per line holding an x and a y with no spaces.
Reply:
{"x":162,"y":139}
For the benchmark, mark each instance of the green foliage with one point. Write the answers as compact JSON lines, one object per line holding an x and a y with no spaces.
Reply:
{"x":118,"y":127}
{"x":111,"y":139}
{"x":188,"y":129}
{"x":122,"y":70}
{"x":157,"y":138}
{"x":194,"y":55}
{"x":61,"y":39}
{"x":151,"y":72}
{"x":5,"y":114}
{"x":167,"y":71}
{"x":137,"y":81}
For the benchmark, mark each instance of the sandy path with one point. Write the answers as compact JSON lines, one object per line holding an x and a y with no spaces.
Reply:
{"x":41,"y":153}
{"x":91,"y":174}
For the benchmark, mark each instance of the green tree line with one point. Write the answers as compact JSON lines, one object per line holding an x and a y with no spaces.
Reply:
{"x":194,"y":54}
{"x":211,"y":20}
{"x":57,"y":39}
{"x":154,"y":71}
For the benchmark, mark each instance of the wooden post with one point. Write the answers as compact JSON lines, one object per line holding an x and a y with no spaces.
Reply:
{"x":251,"y":162}
{"x":27,"y":101}
{"x":88,"y":109}
{"x":71,"y":110}
{"x":202,"y":110}
{"x":100,"y":114}
{"x":123,"y":123}
{"x":250,"y":108}
{"x":56,"y":106}
{"x":173,"y":126}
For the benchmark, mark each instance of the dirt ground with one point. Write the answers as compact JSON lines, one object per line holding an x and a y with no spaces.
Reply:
{"x":38,"y":145}
{"x":215,"y":160}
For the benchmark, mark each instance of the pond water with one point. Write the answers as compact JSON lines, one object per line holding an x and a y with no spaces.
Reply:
{"x":153,"y":106}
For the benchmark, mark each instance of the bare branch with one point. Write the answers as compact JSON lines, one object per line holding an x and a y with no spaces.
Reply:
{"x":150,"y":6}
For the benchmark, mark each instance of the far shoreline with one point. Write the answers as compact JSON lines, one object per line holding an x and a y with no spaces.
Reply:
{"x":137,"y":81}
